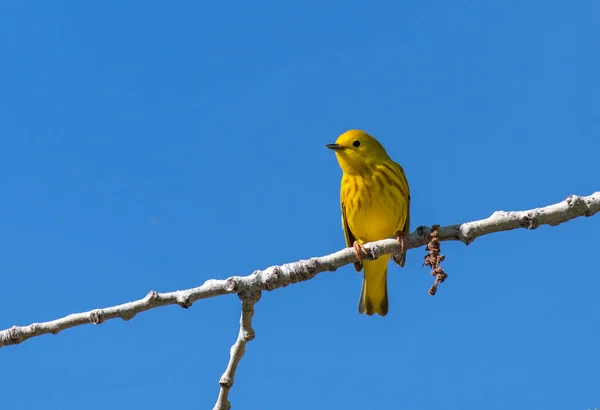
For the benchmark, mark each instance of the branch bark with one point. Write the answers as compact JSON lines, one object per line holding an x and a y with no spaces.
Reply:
{"x":280,"y":276}
{"x":249,"y":287}
{"x":238,"y":349}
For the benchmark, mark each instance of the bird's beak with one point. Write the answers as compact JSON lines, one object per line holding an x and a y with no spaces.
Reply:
{"x":335,"y":147}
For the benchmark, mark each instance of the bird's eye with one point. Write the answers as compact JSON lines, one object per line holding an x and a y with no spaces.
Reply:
{"x":356,"y":143}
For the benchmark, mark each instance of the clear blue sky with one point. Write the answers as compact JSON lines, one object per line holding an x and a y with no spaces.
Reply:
{"x":154,"y":145}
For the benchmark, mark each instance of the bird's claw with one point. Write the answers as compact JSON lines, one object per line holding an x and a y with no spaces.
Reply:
{"x":400,"y":238}
{"x":361,"y":252}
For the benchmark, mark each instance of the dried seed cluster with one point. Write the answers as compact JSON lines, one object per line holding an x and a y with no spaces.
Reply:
{"x":434,"y":258}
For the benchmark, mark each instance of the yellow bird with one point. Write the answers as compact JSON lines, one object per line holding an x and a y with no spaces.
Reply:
{"x":375,"y":200}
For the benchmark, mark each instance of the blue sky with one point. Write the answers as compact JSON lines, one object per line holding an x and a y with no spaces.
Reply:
{"x":153,"y":145}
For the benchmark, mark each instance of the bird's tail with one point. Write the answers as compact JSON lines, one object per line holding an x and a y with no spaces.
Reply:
{"x":374,"y":296}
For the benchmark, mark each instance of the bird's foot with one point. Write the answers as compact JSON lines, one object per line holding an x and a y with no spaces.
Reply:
{"x":361,"y":252}
{"x":400,"y":238}
{"x":400,"y":257}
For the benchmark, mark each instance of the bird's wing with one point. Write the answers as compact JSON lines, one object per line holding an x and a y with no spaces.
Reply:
{"x":401,"y":259}
{"x":350,"y":238}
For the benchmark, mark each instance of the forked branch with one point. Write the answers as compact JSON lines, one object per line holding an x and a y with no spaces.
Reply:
{"x":249,"y":287}
{"x":238,"y":349}
{"x":279,"y":276}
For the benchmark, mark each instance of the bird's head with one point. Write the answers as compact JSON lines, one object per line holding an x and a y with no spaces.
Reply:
{"x":357,"y":151}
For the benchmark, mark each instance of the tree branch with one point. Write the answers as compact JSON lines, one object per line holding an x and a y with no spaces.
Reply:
{"x":238,"y":349}
{"x":249,"y":287}
{"x":280,"y":276}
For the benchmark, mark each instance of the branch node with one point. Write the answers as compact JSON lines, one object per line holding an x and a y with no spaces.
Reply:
{"x":250,"y":296}
{"x":423,"y":231}
{"x":152,"y":296}
{"x":96,"y":317}
{"x":529,"y":221}
{"x":226,"y":382}
{"x":464,"y":234}
{"x":272,"y":277}
{"x":231,"y":285}
{"x":373,"y":253}
{"x":580,"y":205}
{"x":248,"y":334}
{"x":589,"y":202}
{"x":313,"y":266}
{"x":128,"y":315}
{"x":10,"y":336}
{"x":183,"y":300}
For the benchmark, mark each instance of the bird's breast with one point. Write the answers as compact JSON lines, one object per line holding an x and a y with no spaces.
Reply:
{"x":373,"y":210}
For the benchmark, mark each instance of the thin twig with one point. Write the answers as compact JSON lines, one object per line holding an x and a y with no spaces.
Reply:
{"x":238,"y":349}
{"x":279,"y":276}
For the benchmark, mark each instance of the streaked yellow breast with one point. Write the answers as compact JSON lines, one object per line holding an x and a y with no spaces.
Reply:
{"x":375,"y":206}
